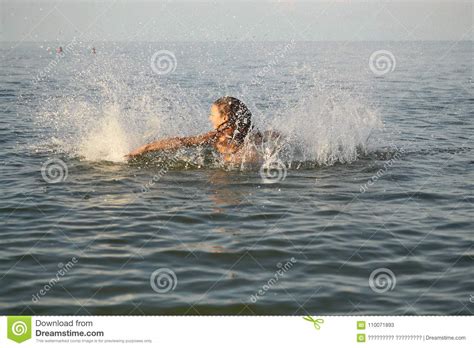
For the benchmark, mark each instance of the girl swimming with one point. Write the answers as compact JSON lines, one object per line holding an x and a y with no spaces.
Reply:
{"x":232,"y":123}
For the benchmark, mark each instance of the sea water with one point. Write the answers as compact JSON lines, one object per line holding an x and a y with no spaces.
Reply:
{"x":373,"y":172}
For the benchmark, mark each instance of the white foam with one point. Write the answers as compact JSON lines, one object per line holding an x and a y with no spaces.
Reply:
{"x":107,"y":140}
{"x":110,"y":117}
{"x":324,"y":127}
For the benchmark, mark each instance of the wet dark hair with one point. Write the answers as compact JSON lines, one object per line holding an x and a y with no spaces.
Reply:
{"x":239,"y":117}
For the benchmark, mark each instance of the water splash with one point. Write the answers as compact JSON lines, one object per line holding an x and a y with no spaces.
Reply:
{"x":107,"y":140}
{"x":111,"y":110}
{"x":328,"y":127}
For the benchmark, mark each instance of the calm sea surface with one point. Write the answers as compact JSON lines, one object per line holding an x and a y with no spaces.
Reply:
{"x":382,"y":225}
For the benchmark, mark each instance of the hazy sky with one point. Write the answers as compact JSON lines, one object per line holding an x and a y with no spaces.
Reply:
{"x":235,"y":20}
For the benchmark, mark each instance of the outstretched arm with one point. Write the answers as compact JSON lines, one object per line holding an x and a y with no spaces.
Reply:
{"x":173,"y":143}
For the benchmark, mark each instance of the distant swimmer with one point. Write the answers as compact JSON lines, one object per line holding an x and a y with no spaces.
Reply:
{"x":59,"y":50}
{"x":93,"y":50}
{"x":233,"y":129}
